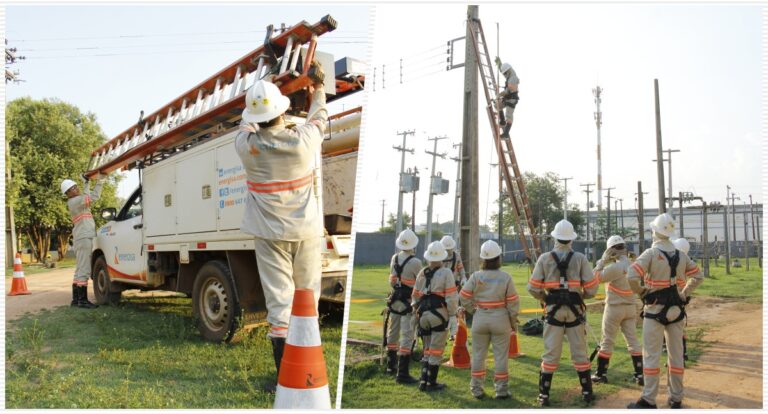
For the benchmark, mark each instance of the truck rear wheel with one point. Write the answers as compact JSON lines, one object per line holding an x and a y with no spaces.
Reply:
{"x":214,"y":302}
{"x":102,"y":286}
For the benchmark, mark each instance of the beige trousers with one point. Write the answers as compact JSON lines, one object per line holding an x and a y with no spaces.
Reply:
{"x":490,"y":326}
{"x":285,"y":266}
{"x":434,"y":344}
{"x":653,"y":335}
{"x":83,"y":249}
{"x":400,"y":333}
{"x":615,"y":318}
{"x":553,"y":343}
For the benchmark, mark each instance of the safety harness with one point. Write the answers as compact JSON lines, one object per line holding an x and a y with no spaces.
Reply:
{"x":400,"y":293}
{"x":563,"y":297}
{"x":453,"y":267}
{"x":668,"y":297}
{"x":431,"y":302}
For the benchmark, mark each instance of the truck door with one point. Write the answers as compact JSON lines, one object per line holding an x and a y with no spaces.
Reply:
{"x":124,"y":247}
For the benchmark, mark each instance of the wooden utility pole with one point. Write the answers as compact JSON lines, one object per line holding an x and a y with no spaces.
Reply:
{"x":659,"y":156}
{"x":401,"y":190}
{"x":470,"y":217}
{"x":383,"y":203}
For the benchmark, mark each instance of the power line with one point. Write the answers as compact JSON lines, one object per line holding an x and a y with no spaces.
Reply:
{"x":144,"y":35}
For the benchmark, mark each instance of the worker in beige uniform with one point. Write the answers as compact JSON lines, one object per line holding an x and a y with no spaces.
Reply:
{"x":665,"y":292}
{"x":435,"y":299}
{"x":404,"y":267}
{"x":620,"y":309}
{"x":683,"y":245}
{"x":490,"y":295}
{"x":454,"y":263}
{"x":83,"y":233}
{"x":283,"y":209}
{"x":562,"y":279}
{"x":509,"y":95}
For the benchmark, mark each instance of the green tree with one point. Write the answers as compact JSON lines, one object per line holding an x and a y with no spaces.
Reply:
{"x":545,"y":199}
{"x":391,"y":223}
{"x":49,"y":141}
{"x":600,"y":227}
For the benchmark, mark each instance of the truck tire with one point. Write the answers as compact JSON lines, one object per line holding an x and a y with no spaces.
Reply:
{"x":103,"y":288}
{"x":214,"y":302}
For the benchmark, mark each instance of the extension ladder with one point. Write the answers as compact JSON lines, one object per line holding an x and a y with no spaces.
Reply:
{"x":217,"y":103}
{"x":507,"y":160}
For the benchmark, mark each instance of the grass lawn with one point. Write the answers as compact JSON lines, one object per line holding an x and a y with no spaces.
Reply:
{"x":31,"y":269}
{"x":365,"y":385}
{"x":740,"y":284}
{"x":146,"y":353}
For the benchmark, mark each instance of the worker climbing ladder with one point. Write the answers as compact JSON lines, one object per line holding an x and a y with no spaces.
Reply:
{"x":507,"y":160}
{"x":217,"y":103}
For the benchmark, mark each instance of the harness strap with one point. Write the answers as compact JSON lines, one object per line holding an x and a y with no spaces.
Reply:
{"x":563,"y":268}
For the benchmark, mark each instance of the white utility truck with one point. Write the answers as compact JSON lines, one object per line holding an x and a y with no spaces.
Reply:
{"x":180,"y":229}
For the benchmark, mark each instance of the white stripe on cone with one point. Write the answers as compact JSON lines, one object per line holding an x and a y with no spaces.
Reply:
{"x":303,"y":331}
{"x":18,"y":275}
{"x":312,"y":398}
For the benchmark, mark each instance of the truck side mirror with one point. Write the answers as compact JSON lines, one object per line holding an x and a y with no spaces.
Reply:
{"x":108,"y":213}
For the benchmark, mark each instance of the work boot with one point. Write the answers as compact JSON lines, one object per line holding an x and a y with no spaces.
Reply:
{"x":432,"y":384}
{"x":641,"y":403}
{"x":83,"y":298}
{"x":505,"y":133}
{"x":602,"y":369}
{"x":637,"y":363}
{"x":424,"y":376}
{"x":75,"y":295}
{"x":278,"y":345}
{"x":586,"y":386}
{"x":545,"y":382}
{"x":391,"y":362}
{"x":403,"y":376}
{"x":675,"y":404}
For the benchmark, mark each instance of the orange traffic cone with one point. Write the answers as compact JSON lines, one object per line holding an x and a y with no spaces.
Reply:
{"x":460,"y":354}
{"x":19,"y":285}
{"x":302,"y":381}
{"x":514,"y":346}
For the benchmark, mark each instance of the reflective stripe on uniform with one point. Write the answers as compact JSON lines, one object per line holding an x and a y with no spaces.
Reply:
{"x":548,"y":367}
{"x":405,"y":350}
{"x":692,"y":271}
{"x":619,"y":291}
{"x":639,"y":269}
{"x":278,"y":331}
{"x":606,"y":355}
{"x":591,"y":283}
{"x":651,"y":371}
{"x":491,"y":304}
{"x":478,"y":374}
{"x":510,"y":298}
{"x":467,"y":294}
{"x":80,"y":217}
{"x":582,"y":366}
{"x":501,"y":376}
{"x":277,"y":186}
{"x":392,"y":346}
{"x":676,"y":370}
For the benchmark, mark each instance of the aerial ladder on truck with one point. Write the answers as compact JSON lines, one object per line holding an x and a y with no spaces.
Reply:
{"x":513,"y":179}
{"x":216,"y":104}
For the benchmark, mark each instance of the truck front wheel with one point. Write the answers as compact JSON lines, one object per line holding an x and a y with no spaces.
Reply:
{"x":102,"y":286}
{"x":214,"y":302}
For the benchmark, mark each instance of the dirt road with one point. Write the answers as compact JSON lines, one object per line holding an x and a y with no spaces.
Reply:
{"x":729,"y":374}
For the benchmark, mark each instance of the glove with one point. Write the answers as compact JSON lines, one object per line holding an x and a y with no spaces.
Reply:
{"x":84,"y":177}
{"x":316,"y":72}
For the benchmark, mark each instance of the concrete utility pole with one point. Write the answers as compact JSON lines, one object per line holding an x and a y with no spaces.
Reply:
{"x":589,"y":242}
{"x":659,"y":158}
{"x":621,"y":211}
{"x":746,"y":236}
{"x":727,"y":239}
{"x":413,"y":201}
{"x":470,"y":217}
{"x":565,"y":199}
{"x":705,"y":243}
{"x":456,"y":225}
{"x":403,"y":150}
{"x":669,"y":167}
{"x":733,"y":214}
{"x":383,"y":203}
{"x":433,"y":175}
{"x":640,"y":216}
{"x":597,"y":91}
{"x":682,"y":226}
{"x":608,"y":221}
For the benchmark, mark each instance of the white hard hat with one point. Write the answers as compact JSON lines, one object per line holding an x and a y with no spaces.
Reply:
{"x":435,"y":252}
{"x":564,"y":231}
{"x":264,"y":102}
{"x":614,"y":240}
{"x":407,"y":240}
{"x":66,"y":185}
{"x":505,"y":67}
{"x":448,"y":242}
{"x":664,"y":224}
{"x":490,"y":250}
{"x":682,"y":245}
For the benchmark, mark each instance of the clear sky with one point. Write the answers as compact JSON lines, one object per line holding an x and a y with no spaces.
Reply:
{"x":707,"y":59}
{"x":117,"y":60}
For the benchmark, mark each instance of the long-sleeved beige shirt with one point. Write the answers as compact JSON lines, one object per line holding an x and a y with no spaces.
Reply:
{"x":546,"y":276}
{"x":409,"y":273}
{"x":442,"y":284}
{"x":614,"y":274}
{"x":80,"y":211}
{"x":653,"y":269}
{"x":458,"y":269}
{"x":490,"y":289}
{"x":279,"y":164}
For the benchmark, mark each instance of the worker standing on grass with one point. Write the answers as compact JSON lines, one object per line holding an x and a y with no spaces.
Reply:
{"x":509,"y":95}
{"x":683,"y":245}
{"x":283,"y":209}
{"x":665,"y":293}
{"x":563,"y":279}
{"x":404,"y":268}
{"x":435,"y":299}
{"x":490,"y":295}
{"x":620,"y":309}
{"x":454,"y":263}
{"x":83,"y":233}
